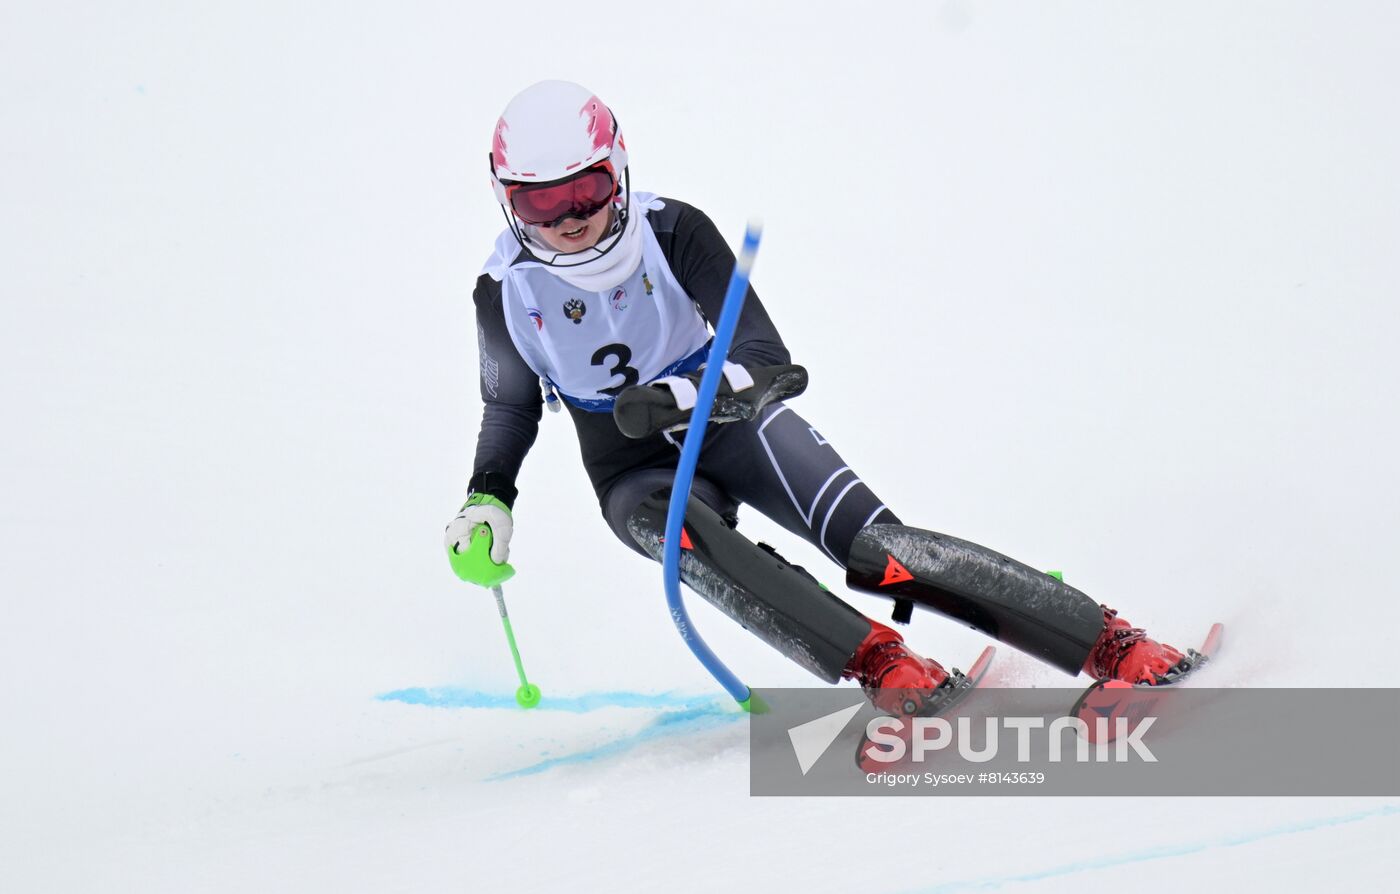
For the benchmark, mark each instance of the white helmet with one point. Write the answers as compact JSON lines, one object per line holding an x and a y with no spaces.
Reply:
{"x":550,"y":131}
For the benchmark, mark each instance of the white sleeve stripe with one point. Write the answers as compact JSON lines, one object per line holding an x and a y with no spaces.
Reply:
{"x":681,"y":389}
{"x":739,"y":378}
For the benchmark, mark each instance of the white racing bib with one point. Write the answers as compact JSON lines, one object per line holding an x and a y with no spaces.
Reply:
{"x":591,"y":345}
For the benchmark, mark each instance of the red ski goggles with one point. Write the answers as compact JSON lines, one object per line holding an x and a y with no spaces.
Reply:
{"x":579,"y":197}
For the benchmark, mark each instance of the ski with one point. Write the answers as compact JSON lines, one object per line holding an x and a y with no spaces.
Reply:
{"x":1110,"y":700}
{"x":953,"y":691}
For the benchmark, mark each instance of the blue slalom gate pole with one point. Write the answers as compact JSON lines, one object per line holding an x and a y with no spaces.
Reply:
{"x":690,"y":455}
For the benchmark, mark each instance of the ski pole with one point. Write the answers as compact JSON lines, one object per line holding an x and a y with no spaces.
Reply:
{"x":475,"y":565}
{"x":690,"y":455}
{"x":528,"y":695}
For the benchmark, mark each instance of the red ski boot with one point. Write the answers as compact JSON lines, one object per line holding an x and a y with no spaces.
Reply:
{"x":1126,"y":653}
{"x":895,"y":679}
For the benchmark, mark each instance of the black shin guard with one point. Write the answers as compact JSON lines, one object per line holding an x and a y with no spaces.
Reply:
{"x":1014,"y":603}
{"x":780,"y":603}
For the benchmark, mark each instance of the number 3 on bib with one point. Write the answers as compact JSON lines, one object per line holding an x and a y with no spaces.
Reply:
{"x":623,"y":355}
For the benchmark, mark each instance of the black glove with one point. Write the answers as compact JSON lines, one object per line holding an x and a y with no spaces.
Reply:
{"x":666,"y":404}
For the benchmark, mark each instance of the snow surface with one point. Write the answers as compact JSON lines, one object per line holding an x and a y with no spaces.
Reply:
{"x":1107,"y":286}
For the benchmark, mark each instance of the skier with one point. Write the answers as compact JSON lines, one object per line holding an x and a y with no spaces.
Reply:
{"x":599,"y":297}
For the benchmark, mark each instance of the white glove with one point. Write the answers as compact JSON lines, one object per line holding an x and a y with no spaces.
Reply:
{"x":482,"y":509}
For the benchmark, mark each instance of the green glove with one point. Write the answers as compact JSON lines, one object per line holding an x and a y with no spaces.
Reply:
{"x":478,"y":541}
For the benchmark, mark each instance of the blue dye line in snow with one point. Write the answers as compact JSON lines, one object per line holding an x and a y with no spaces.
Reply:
{"x":457,"y":697}
{"x":680,"y":715}
{"x":1162,"y":853}
{"x":670,"y":723}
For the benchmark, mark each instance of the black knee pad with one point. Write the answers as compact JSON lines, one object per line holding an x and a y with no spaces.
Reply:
{"x":781,"y":604}
{"x":623,"y":498}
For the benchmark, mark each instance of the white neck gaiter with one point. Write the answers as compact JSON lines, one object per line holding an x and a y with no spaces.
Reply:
{"x":609,"y":267}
